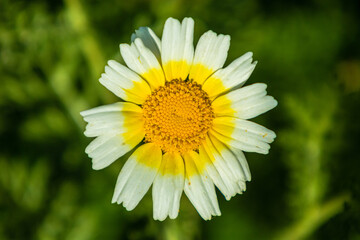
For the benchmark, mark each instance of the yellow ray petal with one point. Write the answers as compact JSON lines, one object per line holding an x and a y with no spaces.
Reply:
{"x":200,"y":72}
{"x":172,"y":164}
{"x":176,"y":69}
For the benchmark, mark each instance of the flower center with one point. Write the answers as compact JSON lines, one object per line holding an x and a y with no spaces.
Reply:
{"x":177,"y":116}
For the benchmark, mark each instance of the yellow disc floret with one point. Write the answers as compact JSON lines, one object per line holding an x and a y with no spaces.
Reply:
{"x":177,"y":116}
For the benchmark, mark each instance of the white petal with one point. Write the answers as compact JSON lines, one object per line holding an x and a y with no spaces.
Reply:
{"x":124,"y":83}
{"x":232,"y":76}
{"x":150,"y":40}
{"x":227,"y":171}
{"x":199,"y":188}
{"x":115,"y":136}
{"x":243,"y":143}
{"x":137,"y":175}
{"x":120,"y":74}
{"x":229,"y":159}
{"x":210,"y":55}
{"x":244,"y":128}
{"x":243,"y":163}
{"x":245,"y":103}
{"x":177,"y":48}
{"x":168,"y":187}
{"x":110,"y":119}
{"x":248,"y":92}
{"x":115,"y":107}
{"x":141,"y":60}
{"x":221,"y":179}
{"x":106,"y":149}
{"x":254,"y":107}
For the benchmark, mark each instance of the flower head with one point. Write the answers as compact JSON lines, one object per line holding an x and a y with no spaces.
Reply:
{"x":186,"y":116}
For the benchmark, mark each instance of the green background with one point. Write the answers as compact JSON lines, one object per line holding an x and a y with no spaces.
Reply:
{"x":52,"y":54}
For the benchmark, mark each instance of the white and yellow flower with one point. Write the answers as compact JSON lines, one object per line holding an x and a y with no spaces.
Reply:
{"x":186,"y":116}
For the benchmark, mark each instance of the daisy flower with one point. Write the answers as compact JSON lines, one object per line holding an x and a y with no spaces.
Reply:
{"x":185,"y":116}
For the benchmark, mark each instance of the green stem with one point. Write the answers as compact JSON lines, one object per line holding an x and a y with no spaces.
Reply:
{"x":89,"y":44}
{"x":314,"y":218}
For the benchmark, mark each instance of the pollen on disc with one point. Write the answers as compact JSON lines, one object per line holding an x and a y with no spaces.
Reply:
{"x":177,"y":116}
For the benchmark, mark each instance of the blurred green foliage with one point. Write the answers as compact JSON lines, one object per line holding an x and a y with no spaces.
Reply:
{"x":52,"y":54}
